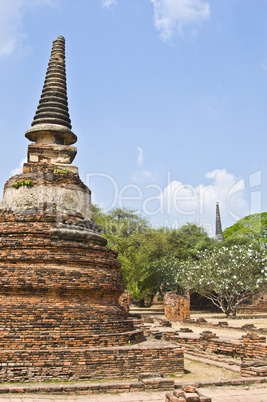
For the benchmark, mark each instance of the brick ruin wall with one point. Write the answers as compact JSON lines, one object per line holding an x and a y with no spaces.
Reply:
{"x":94,"y":363}
{"x":257,"y":304}
{"x":253,"y":368}
{"x":251,"y":346}
{"x":176,"y":307}
{"x":52,"y":295}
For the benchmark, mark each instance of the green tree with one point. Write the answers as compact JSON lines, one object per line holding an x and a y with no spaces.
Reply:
{"x":226,"y":275}
{"x":170,"y":247}
{"x":152,"y":245}
{"x":161,"y":275}
{"x":187,"y":241}
{"x":137,"y":244}
{"x":252,"y":227}
{"x":149,"y":256}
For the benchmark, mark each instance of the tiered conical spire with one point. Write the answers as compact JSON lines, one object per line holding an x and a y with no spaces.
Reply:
{"x":52,"y":114}
{"x":53,"y":105}
{"x":218,"y":232}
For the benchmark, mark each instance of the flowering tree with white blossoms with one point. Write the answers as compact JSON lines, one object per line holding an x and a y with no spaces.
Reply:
{"x":226,"y":275}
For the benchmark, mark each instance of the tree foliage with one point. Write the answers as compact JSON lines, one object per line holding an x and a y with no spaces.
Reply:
{"x":141,"y":247}
{"x":164,"y":259}
{"x":187,"y":241}
{"x":251,"y":227}
{"x":136,"y":242}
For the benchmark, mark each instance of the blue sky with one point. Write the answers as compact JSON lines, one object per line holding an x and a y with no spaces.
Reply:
{"x":168,"y":99}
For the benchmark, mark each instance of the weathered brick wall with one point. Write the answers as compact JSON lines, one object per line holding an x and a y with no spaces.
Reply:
{"x":67,"y":287}
{"x":258,"y":304}
{"x":108,"y":363}
{"x":251,"y":346}
{"x":253,"y":368}
{"x":177,"y":307}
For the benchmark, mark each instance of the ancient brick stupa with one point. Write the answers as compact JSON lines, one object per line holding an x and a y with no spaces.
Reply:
{"x":59,"y":284}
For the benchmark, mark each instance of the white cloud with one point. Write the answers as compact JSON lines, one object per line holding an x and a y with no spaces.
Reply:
{"x":187,"y":203}
{"x":18,"y":170}
{"x":172,"y":16}
{"x":141,"y":174}
{"x":176,"y":203}
{"x":109,"y":3}
{"x":140,"y":158}
{"x":264,"y":65}
{"x":11,"y":22}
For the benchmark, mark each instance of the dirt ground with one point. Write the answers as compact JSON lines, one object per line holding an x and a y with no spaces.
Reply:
{"x":234,"y":331}
{"x":259,"y":319}
{"x":198,"y":371}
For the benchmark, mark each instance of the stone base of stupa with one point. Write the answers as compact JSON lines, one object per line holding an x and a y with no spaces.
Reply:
{"x":60,"y":288}
{"x":89,"y":363}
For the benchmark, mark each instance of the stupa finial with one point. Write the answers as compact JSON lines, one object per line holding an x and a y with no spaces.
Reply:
{"x":51,"y":123}
{"x":218,"y":231}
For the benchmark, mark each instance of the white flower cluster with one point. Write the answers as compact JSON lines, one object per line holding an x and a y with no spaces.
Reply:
{"x":226,"y":275}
